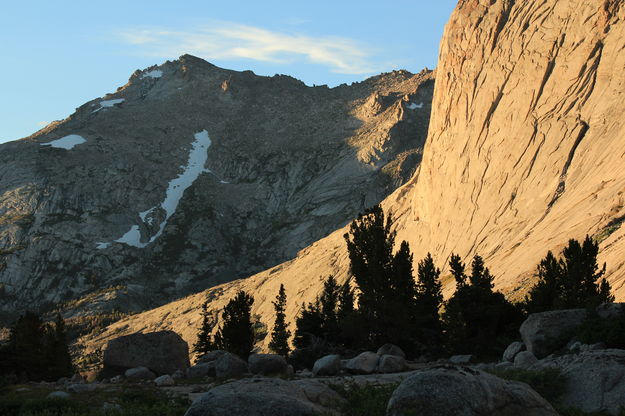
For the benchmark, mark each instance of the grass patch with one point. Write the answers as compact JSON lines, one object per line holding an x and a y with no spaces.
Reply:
{"x":365,"y":400}
{"x":133,"y":401}
{"x":549,"y":383}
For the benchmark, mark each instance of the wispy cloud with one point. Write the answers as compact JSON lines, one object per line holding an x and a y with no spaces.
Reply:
{"x":224,"y":40}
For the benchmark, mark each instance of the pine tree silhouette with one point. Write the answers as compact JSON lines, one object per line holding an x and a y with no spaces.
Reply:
{"x":280,"y":335}
{"x":236,"y":333}
{"x":204,"y":343}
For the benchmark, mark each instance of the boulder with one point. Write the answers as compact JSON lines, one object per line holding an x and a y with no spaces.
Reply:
{"x":594,"y":380}
{"x":164,"y":381}
{"x":178,"y":375}
{"x":210,"y":356}
{"x":202,"y":370}
{"x":60,"y":395}
{"x":162,"y":352}
{"x":363,"y":363}
{"x":461,"y":359}
{"x":390,"y":349}
{"x":461,"y":391}
{"x":139,"y":373}
{"x":525,"y":359}
{"x":81,"y":388}
{"x":391,"y":364}
{"x":230,"y":366}
{"x":512,"y":350}
{"x":77,"y":378}
{"x":265,"y":396}
{"x":329,"y":365}
{"x":546,"y":332}
{"x":117,"y":379}
{"x":610,"y":310}
{"x":267,"y":364}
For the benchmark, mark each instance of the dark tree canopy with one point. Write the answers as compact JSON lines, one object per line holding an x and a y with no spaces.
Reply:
{"x":204,"y":343}
{"x":36,"y":350}
{"x":236,"y":333}
{"x":573,"y":281}
{"x":280,"y":335}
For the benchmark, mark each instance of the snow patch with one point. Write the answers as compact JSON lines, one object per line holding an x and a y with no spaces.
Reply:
{"x":415,"y":106}
{"x":102,"y":246}
{"x":155,"y":73}
{"x":195,"y":166}
{"x":108,"y":104}
{"x":67,"y":142}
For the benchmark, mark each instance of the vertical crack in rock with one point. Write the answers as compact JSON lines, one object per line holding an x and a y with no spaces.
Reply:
{"x":562,"y":185}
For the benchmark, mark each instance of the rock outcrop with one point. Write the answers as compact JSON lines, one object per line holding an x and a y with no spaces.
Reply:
{"x":544,"y":333}
{"x":173,"y":183}
{"x":162,"y":352}
{"x":460,"y":391}
{"x":261,"y":397}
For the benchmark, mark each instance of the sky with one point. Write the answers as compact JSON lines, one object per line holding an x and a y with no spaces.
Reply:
{"x":57,"y":55}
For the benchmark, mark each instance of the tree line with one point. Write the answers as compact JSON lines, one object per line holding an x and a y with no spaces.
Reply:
{"x":36,"y":350}
{"x":383,"y":302}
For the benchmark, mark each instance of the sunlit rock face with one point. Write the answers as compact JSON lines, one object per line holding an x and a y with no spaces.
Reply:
{"x":527,"y":138}
{"x":191,"y":175}
{"x":525,"y":150}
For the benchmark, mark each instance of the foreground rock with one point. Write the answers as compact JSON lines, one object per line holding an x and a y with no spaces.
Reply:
{"x":595,"y":380}
{"x":139,"y":373}
{"x":230,"y":366}
{"x":546,"y":332}
{"x":364,"y":363}
{"x":391,"y":349}
{"x":512,"y":350}
{"x":391,"y":364}
{"x":329,"y":365}
{"x":164,"y":381}
{"x":162,"y":352}
{"x":265,"y":397}
{"x":267,"y":364}
{"x":460,"y":391}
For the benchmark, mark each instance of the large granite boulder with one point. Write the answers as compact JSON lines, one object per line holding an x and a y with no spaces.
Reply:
{"x":329,"y":365}
{"x":461,"y":391}
{"x":525,"y":360}
{"x":391,"y":349}
{"x":512,"y":350}
{"x":162,"y":352}
{"x":202,"y":370}
{"x":595,"y":380}
{"x":139,"y":373}
{"x":230,"y":366}
{"x":210,"y":356}
{"x":363,"y":363}
{"x":391,"y":364}
{"x":546,"y":332}
{"x":267,"y":364}
{"x":265,"y":397}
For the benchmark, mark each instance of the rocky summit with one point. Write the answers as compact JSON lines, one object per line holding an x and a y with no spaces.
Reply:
{"x":191,"y":175}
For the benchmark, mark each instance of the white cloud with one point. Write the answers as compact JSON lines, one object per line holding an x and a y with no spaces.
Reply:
{"x":225,"y":40}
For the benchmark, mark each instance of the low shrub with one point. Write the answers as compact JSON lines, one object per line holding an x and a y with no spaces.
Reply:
{"x":365,"y":400}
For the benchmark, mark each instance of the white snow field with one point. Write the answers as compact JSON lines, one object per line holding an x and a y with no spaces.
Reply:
{"x":155,"y":73}
{"x":108,"y":104}
{"x":195,"y":166}
{"x":415,"y":106}
{"x":67,"y":142}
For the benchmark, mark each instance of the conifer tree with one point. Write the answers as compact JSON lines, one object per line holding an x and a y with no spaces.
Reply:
{"x":280,"y":335}
{"x":308,"y":325}
{"x":204,"y":343}
{"x":387,"y":290}
{"x":236,"y":333}
{"x":545,"y":294}
{"x":573,"y":281}
{"x":457,"y":270}
{"x":429,"y":300}
{"x":346,"y":301}
{"x":57,"y":351}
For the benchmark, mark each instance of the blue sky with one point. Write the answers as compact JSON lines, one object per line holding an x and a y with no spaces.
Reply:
{"x":56,"y":55}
